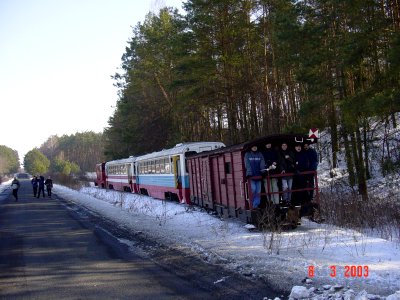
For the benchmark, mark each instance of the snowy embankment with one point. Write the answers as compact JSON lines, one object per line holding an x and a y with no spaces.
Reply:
{"x":315,"y":261}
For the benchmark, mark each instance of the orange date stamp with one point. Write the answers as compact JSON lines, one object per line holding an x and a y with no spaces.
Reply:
{"x":346,"y":271}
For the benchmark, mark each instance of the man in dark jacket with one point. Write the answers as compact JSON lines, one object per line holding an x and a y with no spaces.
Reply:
{"x":49,"y":185}
{"x":34,"y":182}
{"x":313,"y":165}
{"x":15,"y":186}
{"x":286,"y":165}
{"x":302,"y":164}
{"x":271,"y":164}
{"x":41,"y":186}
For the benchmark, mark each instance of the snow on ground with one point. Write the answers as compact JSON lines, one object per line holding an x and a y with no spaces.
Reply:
{"x":314,"y":261}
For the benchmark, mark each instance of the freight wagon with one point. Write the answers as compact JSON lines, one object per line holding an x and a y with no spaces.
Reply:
{"x":218,"y":179}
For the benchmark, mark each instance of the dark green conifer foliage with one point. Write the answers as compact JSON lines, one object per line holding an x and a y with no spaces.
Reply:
{"x":235,"y":70}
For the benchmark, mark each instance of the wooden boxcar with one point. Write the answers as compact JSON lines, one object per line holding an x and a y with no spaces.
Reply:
{"x":218,"y":178}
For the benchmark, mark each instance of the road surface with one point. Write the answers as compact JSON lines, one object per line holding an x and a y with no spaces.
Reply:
{"x":53,"y":249}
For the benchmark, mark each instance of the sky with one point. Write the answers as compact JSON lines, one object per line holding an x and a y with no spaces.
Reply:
{"x":56,"y":63}
{"x":285,"y":262}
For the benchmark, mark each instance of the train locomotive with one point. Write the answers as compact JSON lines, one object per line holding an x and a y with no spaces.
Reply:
{"x":212,"y":176}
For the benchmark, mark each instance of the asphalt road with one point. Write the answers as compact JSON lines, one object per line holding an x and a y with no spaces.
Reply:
{"x":53,"y":249}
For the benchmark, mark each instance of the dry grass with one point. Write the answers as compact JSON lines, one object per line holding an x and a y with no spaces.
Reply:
{"x":378,"y":216}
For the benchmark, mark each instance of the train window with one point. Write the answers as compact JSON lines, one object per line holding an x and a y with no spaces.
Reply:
{"x":157,"y":162}
{"x":162,"y":166}
{"x":228,"y":168}
{"x":153,"y":167}
{"x":167,"y":166}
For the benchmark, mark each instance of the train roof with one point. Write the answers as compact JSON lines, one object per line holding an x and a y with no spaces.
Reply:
{"x":182,"y":148}
{"x":130,"y":159}
{"x":274,"y":139}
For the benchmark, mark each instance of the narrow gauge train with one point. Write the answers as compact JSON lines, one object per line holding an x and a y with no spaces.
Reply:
{"x":216,"y":174}
{"x":218,"y":178}
{"x":161,"y":174}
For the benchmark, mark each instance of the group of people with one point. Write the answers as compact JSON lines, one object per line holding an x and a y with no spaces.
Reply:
{"x":38,"y":184}
{"x":261,"y":166}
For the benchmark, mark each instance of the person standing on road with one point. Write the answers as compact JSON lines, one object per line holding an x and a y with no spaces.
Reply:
{"x":49,"y":185}
{"x":15,"y":186}
{"x":34,"y":182}
{"x":41,"y":186}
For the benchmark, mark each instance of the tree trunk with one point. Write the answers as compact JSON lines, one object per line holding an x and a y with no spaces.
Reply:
{"x":360,"y":168}
{"x":349,"y":157}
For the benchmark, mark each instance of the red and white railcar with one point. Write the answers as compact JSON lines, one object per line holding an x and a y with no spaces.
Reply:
{"x":163,"y":174}
{"x":121,"y":175}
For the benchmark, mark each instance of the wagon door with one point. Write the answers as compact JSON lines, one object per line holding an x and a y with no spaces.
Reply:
{"x":206,"y":184}
{"x":200,"y":185}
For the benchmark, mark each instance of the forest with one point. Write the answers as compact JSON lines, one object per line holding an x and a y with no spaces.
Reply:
{"x":233,"y":70}
{"x":66,"y":155}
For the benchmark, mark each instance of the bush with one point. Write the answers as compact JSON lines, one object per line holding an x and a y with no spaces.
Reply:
{"x":388,"y":166}
{"x":381,"y":216}
{"x":70,"y":181}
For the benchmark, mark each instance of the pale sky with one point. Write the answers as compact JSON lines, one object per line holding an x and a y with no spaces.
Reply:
{"x":56,"y":59}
